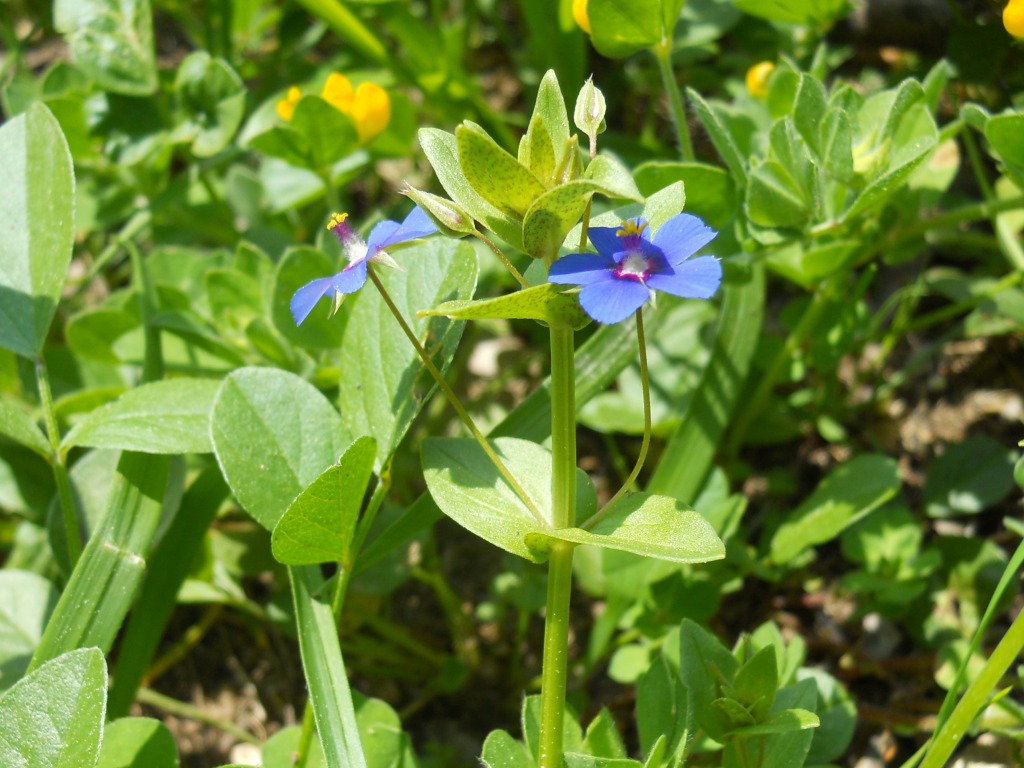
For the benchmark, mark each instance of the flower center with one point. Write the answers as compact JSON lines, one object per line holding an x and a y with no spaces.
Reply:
{"x":634,"y":267}
{"x":355,"y":248}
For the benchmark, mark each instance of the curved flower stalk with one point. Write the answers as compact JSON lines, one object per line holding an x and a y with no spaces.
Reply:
{"x":629,"y":266}
{"x":385,"y":235}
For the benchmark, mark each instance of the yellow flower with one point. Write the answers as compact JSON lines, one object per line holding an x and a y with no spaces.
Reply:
{"x":758,"y":77}
{"x":579,"y":12}
{"x":369,"y":105}
{"x":286,"y":106}
{"x":1013,"y":18}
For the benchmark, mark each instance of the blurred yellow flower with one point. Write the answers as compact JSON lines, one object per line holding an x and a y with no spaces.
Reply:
{"x":758,"y":77}
{"x":369,"y":105}
{"x":579,"y":12}
{"x":1013,"y":18}
{"x":286,"y":106}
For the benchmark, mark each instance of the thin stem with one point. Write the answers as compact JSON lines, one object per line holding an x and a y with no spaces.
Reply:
{"x":663,"y":53}
{"x":305,"y":737}
{"x":453,"y":400}
{"x":555,"y":669}
{"x":554,"y":674}
{"x":585,"y":223}
{"x":976,"y":695}
{"x":189,"y":640}
{"x":962,"y":215}
{"x":504,"y":259}
{"x":180,"y":708}
{"x":1005,"y":236}
{"x":646,"y":444}
{"x":153,"y":359}
{"x":72,"y":532}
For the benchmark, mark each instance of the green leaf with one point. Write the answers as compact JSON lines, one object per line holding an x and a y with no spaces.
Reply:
{"x":781,"y":722}
{"x":171,"y":416}
{"x":93,"y":333}
{"x":837,"y":145}
{"x":644,"y":524}
{"x":284,"y":143}
{"x":324,"y":668}
{"x":168,"y":567}
{"x":572,"y":738}
{"x":468,"y":488}
{"x":536,"y":151}
{"x":497,"y":176}
{"x":26,"y":602}
{"x":22,"y":428}
{"x":613,"y":178}
{"x":906,"y":95}
{"x":553,"y":215}
{"x":775,"y":198}
{"x":279,"y":750}
{"x":913,"y":143}
{"x":442,"y":151}
{"x":385,"y":382}
{"x":756,"y":682}
{"x":546,"y":303}
{"x":1006,"y":135}
{"x":273,"y":434}
{"x":602,"y":737}
{"x":328,"y":133}
{"x":53,"y":718}
{"x":319,"y":525}
{"x":502,"y":751}
{"x":620,"y":28}
{"x":818,"y":12}
{"x":550,"y":107}
{"x":661,"y":708}
{"x":138,"y":742}
{"x":299,"y":266}
{"x":102,"y":586}
{"x":37,"y":213}
{"x":969,"y":477}
{"x":111,"y":42}
{"x":809,"y":110}
{"x":211,"y":97}
{"x":710,"y":191}
{"x":849,"y":493}
{"x":720,"y":136}
{"x":703,"y":664}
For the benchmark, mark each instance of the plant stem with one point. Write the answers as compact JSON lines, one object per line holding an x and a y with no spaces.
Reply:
{"x":646,"y":444}
{"x":976,"y":695}
{"x":554,"y":673}
{"x":180,"y":708}
{"x":663,"y":53}
{"x":453,"y":400}
{"x":555,"y":670}
{"x":504,"y":259}
{"x":1005,"y":236}
{"x":72,"y":532}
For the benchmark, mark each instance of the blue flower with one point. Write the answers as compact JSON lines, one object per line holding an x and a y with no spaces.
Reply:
{"x":628,"y":267}
{"x":359,"y":254}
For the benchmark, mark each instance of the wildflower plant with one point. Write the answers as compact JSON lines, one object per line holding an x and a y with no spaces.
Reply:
{"x":209,"y":398}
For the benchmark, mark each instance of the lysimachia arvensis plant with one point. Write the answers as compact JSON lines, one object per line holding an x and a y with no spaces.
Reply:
{"x":536,"y":504}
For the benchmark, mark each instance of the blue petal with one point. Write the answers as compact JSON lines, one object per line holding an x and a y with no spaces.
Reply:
{"x":582,"y":269}
{"x":417,"y":224}
{"x":605,"y":240}
{"x":380,"y":235}
{"x":694,"y":279}
{"x":307,"y":296}
{"x":682,"y":236}
{"x":351,"y":278}
{"x":614,"y":300}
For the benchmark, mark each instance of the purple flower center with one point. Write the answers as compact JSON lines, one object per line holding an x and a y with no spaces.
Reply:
{"x":634,"y":266}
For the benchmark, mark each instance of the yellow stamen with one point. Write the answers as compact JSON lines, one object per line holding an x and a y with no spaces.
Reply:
{"x":336,"y":219}
{"x":631,"y":227}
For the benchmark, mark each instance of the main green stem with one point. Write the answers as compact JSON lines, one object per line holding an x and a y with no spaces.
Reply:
{"x":555,"y":670}
{"x":663,"y":53}
{"x":976,"y":695}
{"x":60,"y":469}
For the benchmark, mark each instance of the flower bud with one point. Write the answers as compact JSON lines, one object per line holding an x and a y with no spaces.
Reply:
{"x":590,"y":109}
{"x":758,"y":77}
{"x":451,"y":220}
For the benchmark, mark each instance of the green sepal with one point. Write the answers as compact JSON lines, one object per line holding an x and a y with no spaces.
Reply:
{"x":496,"y":176}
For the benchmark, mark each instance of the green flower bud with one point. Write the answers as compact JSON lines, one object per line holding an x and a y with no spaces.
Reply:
{"x":451,"y":220}
{"x":590,"y":109}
